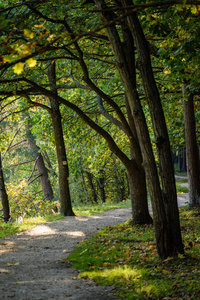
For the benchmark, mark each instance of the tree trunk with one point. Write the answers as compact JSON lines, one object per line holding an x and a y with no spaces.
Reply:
{"x":102,"y":186}
{"x":184,"y":167}
{"x":138,"y":193}
{"x":192,"y":155}
{"x":3,"y":195}
{"x":65,"y":199}
{"x":165,"y":209}
{"x":44,"y":178}
{"x":84,"y":185}
{"x":175,"y":244}
{"x":49,"y":165}
{"x":90,"y":180}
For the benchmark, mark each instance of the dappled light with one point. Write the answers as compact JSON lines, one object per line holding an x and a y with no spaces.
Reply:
{"x":99,"y":134}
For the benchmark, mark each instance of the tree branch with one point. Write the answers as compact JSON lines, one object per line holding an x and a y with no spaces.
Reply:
{"x":33,"y":168}
{"x":22,"y":163}
{"x":39,"y":175}
{"x":108,"y":116}
{"x":111,"y":143}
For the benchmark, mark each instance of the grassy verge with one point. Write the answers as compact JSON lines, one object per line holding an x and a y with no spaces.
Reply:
{"x":7,"y":229}
{"x":181,"y":189}
{"x":86,"y":210}
{"x":126,"y":257}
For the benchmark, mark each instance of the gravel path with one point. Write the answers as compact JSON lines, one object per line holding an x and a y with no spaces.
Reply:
{"x":31,"y":262}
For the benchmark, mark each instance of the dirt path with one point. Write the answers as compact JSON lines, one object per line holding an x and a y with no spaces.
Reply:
{"x":31,"y":265}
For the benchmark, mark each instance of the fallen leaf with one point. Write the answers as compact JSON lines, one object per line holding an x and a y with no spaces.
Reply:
{"x":165,"y":271}
{"x":16,"y":264}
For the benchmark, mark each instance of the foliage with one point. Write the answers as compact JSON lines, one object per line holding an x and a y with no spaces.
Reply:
{"x":23,"y":202}
{"x":126,"y":257}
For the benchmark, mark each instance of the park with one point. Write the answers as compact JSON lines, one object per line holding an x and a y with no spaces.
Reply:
{"x":99,"y":125}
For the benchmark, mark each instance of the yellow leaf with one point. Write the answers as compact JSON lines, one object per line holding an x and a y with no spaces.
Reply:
{"x":165,"y":271}
{"x":28,"y":33}
{"x":39,"y":26}
{"x":194,"y":9}
{"x":31,"y":62}
{"x":18,"y":68}
{"x":16,"y":264}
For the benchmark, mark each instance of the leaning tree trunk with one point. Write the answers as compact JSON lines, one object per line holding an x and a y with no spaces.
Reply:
{"x":42,"y":170}
{"x":166,"y":221}
{"x":192,"y":155}
{"x":4,"y":196}
{"x":166,"y":169}
{"x":65,"y":199}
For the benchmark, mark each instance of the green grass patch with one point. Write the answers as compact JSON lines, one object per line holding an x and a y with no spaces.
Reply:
{"x":126,"y":257}
{"x":10,"y":228}
{"x":91,"y":209}
{"x":181,"y":189}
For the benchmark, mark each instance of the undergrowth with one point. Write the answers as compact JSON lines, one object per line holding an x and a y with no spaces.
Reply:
{"x":126,"y":257}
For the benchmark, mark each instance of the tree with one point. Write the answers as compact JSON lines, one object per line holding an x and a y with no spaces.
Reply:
{"x":142,"y":157}
{"x":136,"y":173}
{"x":3,"y":195}
{"x":42,"y":170}
{"x":65,"y":199}
{"x":192,"y":154}
{"x":179,"y":52}
{"x":164,"y":203}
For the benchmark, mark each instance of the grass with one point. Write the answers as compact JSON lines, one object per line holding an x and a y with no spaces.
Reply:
{"x":181,"y":189}
{"x":10,"y":228}
{"x":7,"y":229}
{"x":86,"y":210}
{"x":126,"y":257}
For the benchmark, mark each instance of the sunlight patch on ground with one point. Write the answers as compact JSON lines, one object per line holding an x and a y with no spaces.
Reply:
{"x":42,"y":230}
{"x":7,"y":247}
{"x":74,"y":233}
{"x":5,"y":271}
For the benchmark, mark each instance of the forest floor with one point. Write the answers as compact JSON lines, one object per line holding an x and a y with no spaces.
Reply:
{"x":32,"y":262}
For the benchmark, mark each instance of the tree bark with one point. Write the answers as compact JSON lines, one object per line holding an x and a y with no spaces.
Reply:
{"x":65,"y":199}
{"x":138,"y":193}
{"x":4,"y":195}
{"x":90,"y":180}
{"x":102,"y":186}
{"x":165,"y":209}
{"x":175,"y":244}
{"x":44,"y":178}
{"x":192,"y":155}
